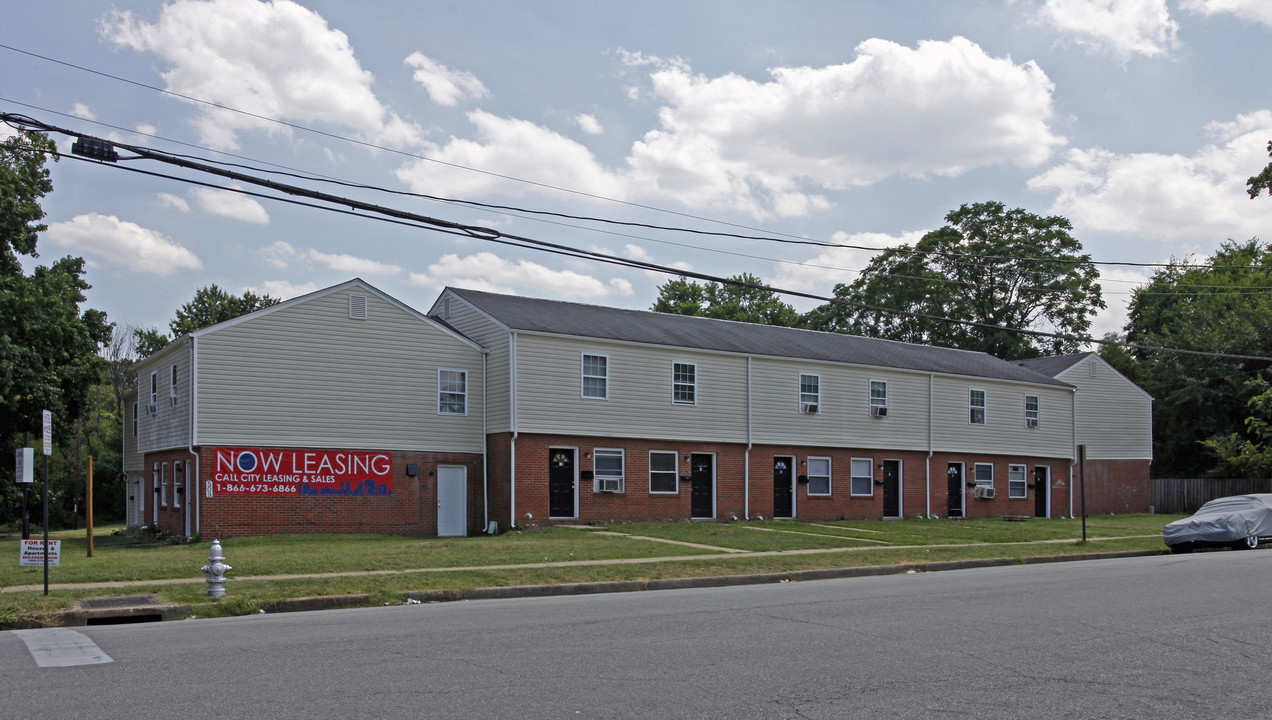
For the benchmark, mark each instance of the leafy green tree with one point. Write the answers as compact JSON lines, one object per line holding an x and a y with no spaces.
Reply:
{"x":749,"y":302}
{"x":210,"y":306}
{"x":1262,"y":181}
{"x":1242,"y":456}
{"x":1222,"y":305}
{"x":48,"y":345}
{"x":990,"y":265}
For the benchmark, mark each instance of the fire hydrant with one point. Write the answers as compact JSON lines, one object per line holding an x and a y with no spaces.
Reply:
{"x":216,"y":569}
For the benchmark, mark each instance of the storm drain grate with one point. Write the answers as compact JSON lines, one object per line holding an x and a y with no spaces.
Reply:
{"x":118,"y":602}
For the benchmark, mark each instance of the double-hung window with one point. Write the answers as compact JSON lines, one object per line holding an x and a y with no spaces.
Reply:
{"x":134,"y":419}
{"x":663,"y":472}
{"x":879,"y":398}
{"x":818,"y":476}
{"x":809,"y":393}
{"x":154,"y":388}
{"x":862,"y":476}
{"x":608,"y":470}
{"x":984,"y":474}
{"x":176,"y":485}
{"x":684,"y":383}
{"x":452,"y":392}
{"x":172,"y":386}
{"x":976,"y":407}
{"x":163,"y":484}
{"x":1016,"y":485}
{"x":596,"y":377}
{"x":1031,"y":411}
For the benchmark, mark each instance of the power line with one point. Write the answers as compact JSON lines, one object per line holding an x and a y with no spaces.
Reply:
{"x":492,"y":235}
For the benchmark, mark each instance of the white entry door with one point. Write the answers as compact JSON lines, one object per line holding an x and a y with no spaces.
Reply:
{"x":452,"y":501}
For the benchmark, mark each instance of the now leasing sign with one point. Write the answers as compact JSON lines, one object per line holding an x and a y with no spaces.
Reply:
{"x":259,"y":471}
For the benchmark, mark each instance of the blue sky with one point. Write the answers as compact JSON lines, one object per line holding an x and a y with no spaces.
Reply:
{"x":852,"y":122}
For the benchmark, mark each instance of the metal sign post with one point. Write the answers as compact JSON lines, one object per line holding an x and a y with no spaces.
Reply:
{"x":1082,"y":481}
{"x":48,"y":450}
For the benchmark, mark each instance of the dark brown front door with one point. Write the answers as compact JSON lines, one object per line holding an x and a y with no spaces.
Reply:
{"x":561,"y":483}
{"x":703,"y":481}
{"x":892,"y":488}
{"x":954,"y":506}
{"x":1041,"y":488}
{"x":783,"y":488}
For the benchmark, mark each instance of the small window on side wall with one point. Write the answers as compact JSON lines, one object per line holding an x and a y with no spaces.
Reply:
{"x":596,"y":377}
{"x":976,"y":407}
{"x":809,"y":393}
{"x":452,"y":392}
{"x":1031,"y":411}
{"x":684,"y":383}
{"x":879,"y":398}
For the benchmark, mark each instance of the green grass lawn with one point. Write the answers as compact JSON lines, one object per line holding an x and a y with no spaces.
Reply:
{"x":459,"y":564}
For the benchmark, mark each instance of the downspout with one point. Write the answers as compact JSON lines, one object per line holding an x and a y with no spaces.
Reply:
{"x":1073,"y":395}
{"x":512,"y":416}
{"x":194,"y":432}
{"x":485,"y":449}
{"x":746,"y":462}
{"x":927,"y":462}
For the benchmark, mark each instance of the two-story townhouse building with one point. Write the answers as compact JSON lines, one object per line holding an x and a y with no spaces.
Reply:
{"x":598,"y":414}
{"x":1114,"y":426}
{"x":336,"y":412}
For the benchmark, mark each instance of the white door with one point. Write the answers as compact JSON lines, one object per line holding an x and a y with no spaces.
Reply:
{"x":452,"y":501}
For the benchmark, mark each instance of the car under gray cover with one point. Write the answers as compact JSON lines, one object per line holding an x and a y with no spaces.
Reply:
{"x":1239,"y":521}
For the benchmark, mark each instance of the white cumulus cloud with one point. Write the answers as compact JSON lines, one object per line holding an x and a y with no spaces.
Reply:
{"x":487,"y":271}
{"x":122,"y":243}
{"x":274,"y":59}
{"x":1259,"y":11}
{"x":175,"y":202}
{"x":1120,"y":27}
{"x":235,"y":206}
{"x":283,"y":255}
{"x":589,"y":124}
{"x":444,"y":85}
{"x":80,"y":110}
{"x":1176,"y":196}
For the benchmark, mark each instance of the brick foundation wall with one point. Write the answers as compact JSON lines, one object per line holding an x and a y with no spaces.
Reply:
{"x":410,"y":510}
{"x":1115,"y":486}
{"x":637,"y":503}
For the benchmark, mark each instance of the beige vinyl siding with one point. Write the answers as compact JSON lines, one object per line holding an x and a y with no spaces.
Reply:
{"x":1115,"y":418}
{"x":309,"y":376}
{"x":1004,"y":431}
{"x":169,"y":426}
{"x":496,"y":339}
{"x":844,"y":418}
{"x":639,"y":403}
{"x":133,"y":461}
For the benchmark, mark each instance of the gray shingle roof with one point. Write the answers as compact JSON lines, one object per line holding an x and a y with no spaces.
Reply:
{"x":642,"y":326}
{"x":1054,"y":365}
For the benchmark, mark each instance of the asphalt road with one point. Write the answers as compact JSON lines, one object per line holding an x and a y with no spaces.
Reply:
{"x":1158,"y":637}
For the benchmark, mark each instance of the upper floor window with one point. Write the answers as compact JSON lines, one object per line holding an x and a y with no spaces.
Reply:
{"x":1016,"y":483}
{"x":154,"y":387}
{"x":976,"y":405}
{"x":684,"y":383}
{"x":172,"y":385}
{"x":663,"y":472}
{"x":818,"y":476}
{"x":134,"y":419}
{"x":878,"y":398}
{"x":596,"y":376}
{"x":452,"y":392}
{"x":809,"y":393}
{"x":1031,"y":410}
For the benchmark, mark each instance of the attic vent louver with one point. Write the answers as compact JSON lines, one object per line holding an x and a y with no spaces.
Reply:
{"x":357,"y":307}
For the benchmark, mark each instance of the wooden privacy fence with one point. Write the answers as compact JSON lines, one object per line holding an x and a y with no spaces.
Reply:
{"x":1185,"y":495}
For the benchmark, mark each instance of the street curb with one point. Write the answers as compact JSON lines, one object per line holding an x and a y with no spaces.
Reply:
{"x":147,"y":613}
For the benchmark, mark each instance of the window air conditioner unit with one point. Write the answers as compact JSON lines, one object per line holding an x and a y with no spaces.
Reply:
{"x":984,"y":492}
{"x":1031,"y":422}
{"x":609,"y":485}
{"x":151,"y":409}
{"x":878,"y":411}
{"x":809,"y":407}
{"x":173,"y":399}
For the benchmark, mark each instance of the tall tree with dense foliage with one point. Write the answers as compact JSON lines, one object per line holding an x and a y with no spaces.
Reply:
{"x":1223,"y":305}
{"x":749,"y":301}
{"x":989,"y":265}
{"x":209,"y":306}
{"x":48,"y":345}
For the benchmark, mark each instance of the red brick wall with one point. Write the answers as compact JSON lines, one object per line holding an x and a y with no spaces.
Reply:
{"x":637,"y":503}
{"x":1114,"y":486}
{"x":410,"y":510}
{"x":171,"y":516}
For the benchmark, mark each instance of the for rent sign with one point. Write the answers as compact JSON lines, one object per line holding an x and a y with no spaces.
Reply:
{"x":259,"y":471}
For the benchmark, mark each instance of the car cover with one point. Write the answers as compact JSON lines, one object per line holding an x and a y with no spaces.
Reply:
{"x":1224,"y":520}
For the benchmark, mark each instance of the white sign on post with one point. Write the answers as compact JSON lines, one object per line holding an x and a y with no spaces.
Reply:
{"x":26,"y":464}
{"x":48,"y":432}
{"x":33,"y":552}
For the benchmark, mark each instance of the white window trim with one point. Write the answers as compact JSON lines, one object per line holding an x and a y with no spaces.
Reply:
{"x":154,"y":386}
{"x":163,"y":484}
{"x":583,"y":376}
{"x":800,"y":388}
{"x":440,"y":392}
{"x":870,"y":392}
{"x":176,"y":496}
{"x":1036,"y":411}
{"x":693,"y":385}
{"x":984,"y":406}
{"x":622,"y":470}
{"x":830,"y":474}
{"x":676,"y":468}
{"x":976,"y":475}
{"x":852,"y":491}
{"x":1024,"y":481}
